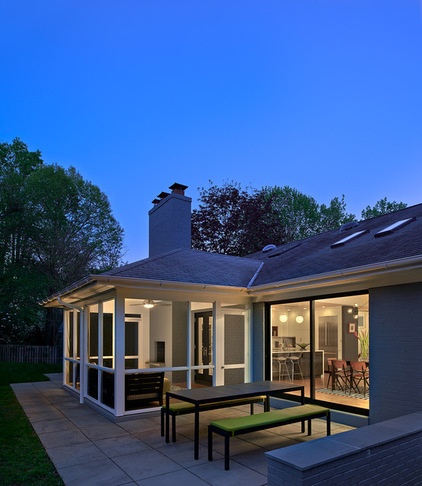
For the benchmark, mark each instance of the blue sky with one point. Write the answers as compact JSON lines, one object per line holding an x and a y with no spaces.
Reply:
{"x":324,"y":96}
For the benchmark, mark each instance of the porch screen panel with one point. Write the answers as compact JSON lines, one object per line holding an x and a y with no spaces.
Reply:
{"x":108,"y":340}
{"x":234,"y":376}
{"x":107,"y":389}
{"x":234,"y":339}
{"x":131,"y":344}
{"x":93,"y":338}
{"x":77,"y":337}
{"x":69,"y":337}
{"x":93,"y":383}
{"x":234,"y":348}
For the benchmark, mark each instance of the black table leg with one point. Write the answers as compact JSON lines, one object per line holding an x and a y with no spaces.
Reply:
{"x":196,"y":432}
{"x":167,"y":418}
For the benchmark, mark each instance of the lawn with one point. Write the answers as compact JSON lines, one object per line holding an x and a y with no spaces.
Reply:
{"x":23,"y":459}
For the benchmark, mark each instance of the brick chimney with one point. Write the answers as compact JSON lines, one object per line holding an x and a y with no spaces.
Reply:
{"x":170,"y":221}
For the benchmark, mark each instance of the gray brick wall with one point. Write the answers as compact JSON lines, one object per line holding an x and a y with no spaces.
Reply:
{"x":395,"y":351}
{"x":170,"y":224}
{"x":387,"y":453}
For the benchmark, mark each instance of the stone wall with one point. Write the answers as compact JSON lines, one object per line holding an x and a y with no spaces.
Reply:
{"x":387,"y":453}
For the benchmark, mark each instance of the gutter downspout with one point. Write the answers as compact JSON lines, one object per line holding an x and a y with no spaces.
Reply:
{"x":81,"y":346}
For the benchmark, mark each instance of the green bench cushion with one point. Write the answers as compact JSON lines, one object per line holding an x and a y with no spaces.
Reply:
{"x":268,"y":418}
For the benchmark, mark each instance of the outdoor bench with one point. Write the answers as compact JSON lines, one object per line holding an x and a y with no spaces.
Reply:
{"x":143,"y":389}
{"x":183,"y":408}
{"x":230,"y":427}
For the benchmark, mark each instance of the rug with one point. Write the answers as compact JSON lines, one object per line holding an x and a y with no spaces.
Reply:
{"x":344,"y":394}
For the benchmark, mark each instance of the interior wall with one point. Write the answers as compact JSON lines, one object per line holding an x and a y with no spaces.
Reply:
{"x":350,"y":342}
{"x":160,"y":329}
{"x":179,"y":341}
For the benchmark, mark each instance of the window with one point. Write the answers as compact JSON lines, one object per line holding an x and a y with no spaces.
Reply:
{"x":341,"y":332}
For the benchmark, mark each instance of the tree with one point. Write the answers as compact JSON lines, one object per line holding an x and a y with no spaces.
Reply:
{"x":382,"y":207}
{"x":72,"y":229}
{"x":55,"y":228}
{"x":238,"y":222}
{"x":218,"y":224}
{"x":293,"y":213}
{"x":16,"y":165}
{"x":334,"y":215}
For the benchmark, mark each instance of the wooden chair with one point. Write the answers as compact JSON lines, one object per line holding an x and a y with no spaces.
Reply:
{"x":341,"y":379}
{"x":360,"y":374}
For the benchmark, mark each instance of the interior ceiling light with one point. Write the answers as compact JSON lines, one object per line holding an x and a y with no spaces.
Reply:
{"x":149,"y":304}
{"x":355,"y":311}
{"x":283,"y":318}
{"x":299,"y":319}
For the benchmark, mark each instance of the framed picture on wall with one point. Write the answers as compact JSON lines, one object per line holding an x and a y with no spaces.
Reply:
{"x":352,"y":327}
{"x":275,"y":330}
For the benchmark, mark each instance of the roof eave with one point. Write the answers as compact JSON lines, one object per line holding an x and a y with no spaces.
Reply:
{"x":107,"y":283}
{"x":151,"y":284}
{"x":365,"y":274}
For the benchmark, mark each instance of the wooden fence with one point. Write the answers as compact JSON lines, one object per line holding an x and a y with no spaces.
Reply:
{"x":16,"y":353}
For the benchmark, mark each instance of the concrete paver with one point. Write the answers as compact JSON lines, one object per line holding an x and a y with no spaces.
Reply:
{"x":88,"y":449}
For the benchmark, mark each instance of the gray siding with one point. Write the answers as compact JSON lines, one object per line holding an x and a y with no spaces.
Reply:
{"x":395,"y":350}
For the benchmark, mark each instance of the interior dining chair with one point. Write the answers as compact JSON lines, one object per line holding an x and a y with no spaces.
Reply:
{"x":360,"y":375}
{"x":341,"y":375}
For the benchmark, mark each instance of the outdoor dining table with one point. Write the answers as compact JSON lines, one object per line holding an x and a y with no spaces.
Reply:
{"x":206,"y":395}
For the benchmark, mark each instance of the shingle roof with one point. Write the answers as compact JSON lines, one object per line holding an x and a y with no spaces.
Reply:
{"x":311,"y":256}
{"x":192,"y":266}
{"x":314,"y":255}
{"x":297,"y":260}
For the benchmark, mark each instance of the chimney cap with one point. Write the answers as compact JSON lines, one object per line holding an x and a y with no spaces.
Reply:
{"x":163,"y":194}
{"x":155,"y":201}
{"x":178,"y":188}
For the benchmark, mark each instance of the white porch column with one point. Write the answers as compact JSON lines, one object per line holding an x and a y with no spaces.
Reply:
{"x":83,"y":346}
{"x":189,"y":337}
{"x":119,"y":355}
{"x":218,"y":344}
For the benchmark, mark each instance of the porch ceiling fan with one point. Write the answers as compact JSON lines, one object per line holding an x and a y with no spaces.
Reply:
{"x":149,"y":303}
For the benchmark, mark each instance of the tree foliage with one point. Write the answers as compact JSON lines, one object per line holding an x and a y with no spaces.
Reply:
{"x":55,"y":228}
{"x":238,"y":222}
{"x":382,"y":207}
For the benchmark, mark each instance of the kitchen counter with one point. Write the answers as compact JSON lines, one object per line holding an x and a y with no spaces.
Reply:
{"x":305,"y":360}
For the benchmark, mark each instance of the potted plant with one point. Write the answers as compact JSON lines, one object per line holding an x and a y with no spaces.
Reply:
{"x":363,"y":337}
{"x":303,"y":346}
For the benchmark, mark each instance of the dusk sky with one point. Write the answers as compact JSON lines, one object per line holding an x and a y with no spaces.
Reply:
{"x":324,"y":96}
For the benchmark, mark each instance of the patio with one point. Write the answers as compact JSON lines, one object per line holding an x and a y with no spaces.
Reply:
{"x":89,"y":449}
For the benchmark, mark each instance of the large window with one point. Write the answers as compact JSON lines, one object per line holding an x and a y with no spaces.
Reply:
{"x":322,"y":358}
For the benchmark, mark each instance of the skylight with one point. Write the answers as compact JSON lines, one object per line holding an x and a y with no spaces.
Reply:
{"x":348,"y":238}
{"x":393,"y":227}
{"x":285,"y":250}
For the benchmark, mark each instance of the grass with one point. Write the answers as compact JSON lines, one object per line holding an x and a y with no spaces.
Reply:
{"x":23,"y":459}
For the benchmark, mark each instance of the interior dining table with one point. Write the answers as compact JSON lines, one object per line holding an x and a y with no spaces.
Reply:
{"x":214,"y":394}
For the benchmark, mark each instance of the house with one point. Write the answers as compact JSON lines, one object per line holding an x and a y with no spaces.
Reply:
{"x":211,"y":319}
